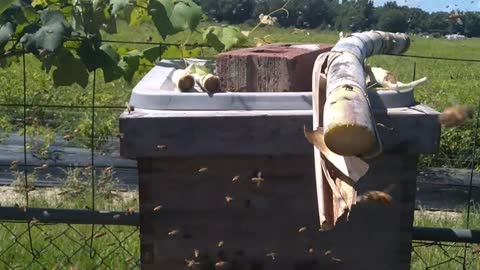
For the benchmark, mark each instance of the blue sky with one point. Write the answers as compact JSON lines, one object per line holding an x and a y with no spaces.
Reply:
{"x":437,"y":5}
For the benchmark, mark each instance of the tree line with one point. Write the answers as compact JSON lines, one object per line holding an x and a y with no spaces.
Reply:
{"x":349,"y":15}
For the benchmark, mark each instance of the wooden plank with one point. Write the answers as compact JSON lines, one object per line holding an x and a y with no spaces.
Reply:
{"x":215,"y":133}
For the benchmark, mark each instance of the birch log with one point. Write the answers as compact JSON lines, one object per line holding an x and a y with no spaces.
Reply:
{"x":341,"y":107}
{"x":347,"y":119}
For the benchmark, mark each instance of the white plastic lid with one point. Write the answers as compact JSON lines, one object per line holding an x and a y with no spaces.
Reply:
{"x":156,"y":91}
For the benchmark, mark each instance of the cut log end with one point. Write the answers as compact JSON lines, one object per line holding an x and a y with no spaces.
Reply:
{"x":186,"y":83}
{"x":211,"y":83}
{"x":350,"y":140}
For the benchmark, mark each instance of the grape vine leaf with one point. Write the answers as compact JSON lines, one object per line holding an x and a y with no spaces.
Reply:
{"x":172,"y":52}
{"x":5,"y":4}
{"x":154,"y":53}
{"x":109,"y":59}
{"x":137,"y":16}
{"x":186,"y":15}
{"x":224,"y":38}
{"x":129,"y":64}
{"x":91,"y":16}
{"x":171,"y":17}
{"x":42,"y":3}
{"x":50,"y":36}
{"x":69,"y":70}
{"x":6,"y":31}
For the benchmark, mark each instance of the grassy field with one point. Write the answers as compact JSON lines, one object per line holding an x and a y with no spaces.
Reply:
{"x":449,"y":83}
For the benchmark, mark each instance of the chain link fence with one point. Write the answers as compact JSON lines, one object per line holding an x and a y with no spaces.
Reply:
{"x":70,"y":202}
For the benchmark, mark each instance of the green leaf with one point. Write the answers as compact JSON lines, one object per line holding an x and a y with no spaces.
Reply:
{"x":118,"y":5}
{"x":4,"y":4}
{"x":42,"y":3}
{"x":211,"y":36}
{"x":186,"y":15}
{"x":51,"y":35}
{"x":109,"y":64}
{"x":138,"y":16}
{"x":91,"y":16}
{"x":69,"y":70}
{"x":224,"y":38}
{"x":172,"y":52}
{"x":6,"y":32}
{"x":30,"y":14}
{"x":171,"y":17}
{"x":176,"y":52}
{"x":154,"y":53}
{"x":160,"y":10}
{"x":129,"y":64}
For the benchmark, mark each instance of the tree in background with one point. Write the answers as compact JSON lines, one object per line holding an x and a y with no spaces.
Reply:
{"x":417,"y":20}
{"x":438,"y":22}
{"x":355,"y":15}
{"x":471,"y":21}
{"x":350,"y":15}
{"x":231,"y":11}
{"x":392,"y":20}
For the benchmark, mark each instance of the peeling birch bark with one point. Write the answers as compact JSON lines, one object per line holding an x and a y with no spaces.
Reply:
{"x":349,"y":126}
{"x":341,"y":106}
{"x":386,"y":80}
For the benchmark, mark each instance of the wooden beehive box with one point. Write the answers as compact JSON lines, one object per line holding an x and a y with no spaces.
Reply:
{"x":218,"y":212}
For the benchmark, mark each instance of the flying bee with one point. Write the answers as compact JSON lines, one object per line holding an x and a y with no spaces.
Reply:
{"x":455,"y":116}
{"x":191,"y":263}
{"x":130,"y":211}
{"x":41,"y":168}
{"x":130,"y":108}
{"x":258,"y":180}
{"x":228,"y":199}
{"x":100,"y":234}
{"x":302,"y":229}
{"x":68,"y":137}
{"x":162,"y":147}
{"x":220,"y":265}
{"x":173,"y":232}
{"x":271,"y":255}
{"x":377,"y":196}
{"x":204,"y":169}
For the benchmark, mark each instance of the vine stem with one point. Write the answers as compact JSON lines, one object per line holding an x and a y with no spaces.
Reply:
{"x":282,"y":8}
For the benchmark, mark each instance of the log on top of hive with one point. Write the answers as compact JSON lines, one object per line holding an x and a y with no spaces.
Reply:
{"x":342,"y":117}
{"x":348,"y":124}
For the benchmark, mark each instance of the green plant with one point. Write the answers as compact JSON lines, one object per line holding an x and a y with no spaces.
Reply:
{"x":19,"y":183}
{"x":39,"y":138}
{"x":66,"y":36}
{"x":78,"y":183}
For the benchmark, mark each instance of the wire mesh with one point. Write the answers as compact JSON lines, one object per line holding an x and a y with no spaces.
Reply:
{"x":42,"y":173}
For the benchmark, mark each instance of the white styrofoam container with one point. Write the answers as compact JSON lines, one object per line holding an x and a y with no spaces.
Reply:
{"x":156,"y":91}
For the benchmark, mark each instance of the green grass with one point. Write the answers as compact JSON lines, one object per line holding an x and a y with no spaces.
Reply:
{"x":429,"y":255}
{"x":62,"y":245}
